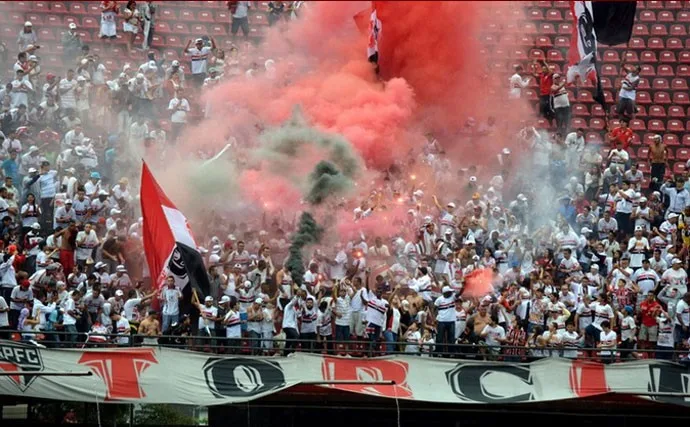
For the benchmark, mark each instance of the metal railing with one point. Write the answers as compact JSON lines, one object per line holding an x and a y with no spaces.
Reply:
{"x":359,"y":347}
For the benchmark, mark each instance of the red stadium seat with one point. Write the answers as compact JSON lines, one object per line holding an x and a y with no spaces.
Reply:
{"x":673,"y":4}
{"x":93,"y":9}
{"x":182,"y":30}
{"x":222,"y":16}
{"x":58,"y":7}
{"x":647,"y":16}
{"x":205,"y":16}
{"x":658,"y":30}
{"x":523,"y":40}
{"x":580,"y":110}
{"x":674,"y":43}
{"x":667,"y":57}
{"x":527,"y":27}
{"x":535,"y":15}
{"x":53,"y":21}
{"x":654,"y":4}
{"x":686,"y":140}
{"x":171,"y":55}
{"x":487,"y":39}
{"x":543,"y":42}
{"x":157,"y":41}
{"x":88,"y":22}
{"x":677,"y":30}
{"x":683,"y":154}
{"x":554,"y":55}
{"x":655,"y":43}
{"x":683,"y":16}
{"x":77,"y":8}
{"x":561,"y":4}
{"x":46,"y":34}
{"x":70,"y":19}
{"x":665,"y":71}
{"x":662,"y":98}
{"x":637,"y":125}
{"x":680,"y":98}
{"x":187,"y":15}
{"x":676,"y":111}
{"x":684,"y":57}
{"x":660,"y":83}
{"x":637,"y":43}
{"x":655,"y":125}
{"x":606,"y":83}
{"x":657,"y":111}
{"x":679,"y":84}
{"x":519,"y":54}
{"x":584,"y":96}
{"x":679,"y":168}
{"x":643,"y":153}
{"x":640,"y":30}
{"x":168,"y":14}
{"x":592,"y":137}
{"x":630,"y":56}
{"x":218,"y":30}
{"x":611,"y":56}
{"x":644,"y":84}
{"x":665,"y":16}
{"x":648,"y":56}
{"x":162,"y":28}
{"x":198,"y":30}
{"x":174,"y":41}
{"x":647,"y":70}
{"x":565,"y":28}
{"x":517,"y":13}
{"x":543,"y":4}
{"x":641,"y":111}
{"x":561,"y":41}
{"x":643,"y":98}
{"x":15,"y":18}
{"x":609,"y":70}
{"x":683,"y":71}
{"x":608,"y":97}
{"x":578,"y":122}
{"x":597,"y":110}
{"x":35,"y":18}
{"x":597,"y":123}
{"x":554,"y":15}
{"x":674,"y":125}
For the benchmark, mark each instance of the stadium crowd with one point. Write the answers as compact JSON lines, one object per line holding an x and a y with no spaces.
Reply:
{"x":583,"y":259}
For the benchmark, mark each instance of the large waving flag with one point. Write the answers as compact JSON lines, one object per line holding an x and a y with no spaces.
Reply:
{"x":168,"y":241}
{"x":367,"y":21}
{"x":596,"y":23}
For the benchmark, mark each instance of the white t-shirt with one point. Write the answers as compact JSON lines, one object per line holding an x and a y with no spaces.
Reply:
{"x":601,"y":313}
{"x":627,"y":88}
{"x":677,"y":279}
{"x":608,"y":339}
{"x":376,"y":310}
{"x":208,"y":311}
{"x":412,"y":340}
{"x":199,"y":58}
{"x":493,"y":332}
{"x":122,"y":327}
{"x":445,"y":309}
{"x":628,"y":328}
{"x":171,"y":301}
{"x":665,"y":334}
{"x":4,"y":321}
{"x":682,"y":309}
{"x":67,"y":318}
{"x":179,"y":115}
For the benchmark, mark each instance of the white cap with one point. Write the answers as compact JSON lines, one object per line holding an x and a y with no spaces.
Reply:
{"x":60,"y":283}
{"x":224,"y":299}
{"x":232,"y":237}
{"x":594,"y":266}
{"x":99,"y":265}
{"x":68,"y":201}
{"x":36,"y":226}
{"x":473,"y":179}
{"x":214,"y":258}
{"x":521,"y":197}
{"x":496,"y":209}
{"x":506,"y":151}
{"x":446,"y":289}
{"x":72,"y":26}
{"x":152,"y":64}
{"x":676,"y":261}
{"x":451,"y":205}
{"x":123,"y":75}
{"x":208,"y":298}
{"x":119,"y":293}
{"x":140,"y":76}
{"x":114,"y":211}
{"x":639,"y":228}
{"x":259,"y":301}
{"x":216,"y":248}
{"x":643,"y":199}
{"x":70,"y":170}
{"x":672,"y":215}
{"x":32,"y":170}
{"x":28,"y":24}
{"x":81,"y":79}
{"x":102,"y":193}
{"x":199,"y":41}
{"x":33,"y":149}
{"x":585,"y":230}
{"x":33,"y":58}
{"x":175,"y":63}
{"x":121,"y":268}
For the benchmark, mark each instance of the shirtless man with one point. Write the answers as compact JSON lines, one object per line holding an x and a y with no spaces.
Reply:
{"x":150,"y":328}
{"x":658,"y":156}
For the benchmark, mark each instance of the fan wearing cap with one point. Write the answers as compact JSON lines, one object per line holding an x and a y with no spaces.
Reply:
{"x":561,"y":104}
{"x":199,"y":57}
{"x":27,"y":37}
{"x":71,"y":41}
{"x":668,"y":229}
{"x":445,"y":316}
{"x":82,"y":93}
{"x":120,"y":194}
{"x":208,"y":314}
{"x":676,"y":276}
{"x":64,"y":215}
{"x":678,"y":195}
{"x":446,"y":216}
{"x":175,"y":72}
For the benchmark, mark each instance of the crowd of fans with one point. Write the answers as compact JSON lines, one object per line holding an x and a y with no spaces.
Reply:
{"x":584,"y":258}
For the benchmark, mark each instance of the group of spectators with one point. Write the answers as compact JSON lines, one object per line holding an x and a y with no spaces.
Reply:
{"x":581,"y":257}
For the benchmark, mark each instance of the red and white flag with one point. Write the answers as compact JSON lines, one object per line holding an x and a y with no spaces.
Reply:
{"x":583,"y":43}
{"x":169,"y":245}
{"x":374,"y":35}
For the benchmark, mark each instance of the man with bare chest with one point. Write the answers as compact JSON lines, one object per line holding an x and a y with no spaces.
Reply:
{"x":658,"y":156}
{"x":150,"y":329}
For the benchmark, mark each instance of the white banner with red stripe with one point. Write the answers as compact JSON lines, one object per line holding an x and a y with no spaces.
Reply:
{"x":163,"y":375}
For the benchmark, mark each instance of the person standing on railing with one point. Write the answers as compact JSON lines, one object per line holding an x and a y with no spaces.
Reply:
{"x":375,"y":315}
{"x":255,"y":317}
{"x":291,"y":313}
